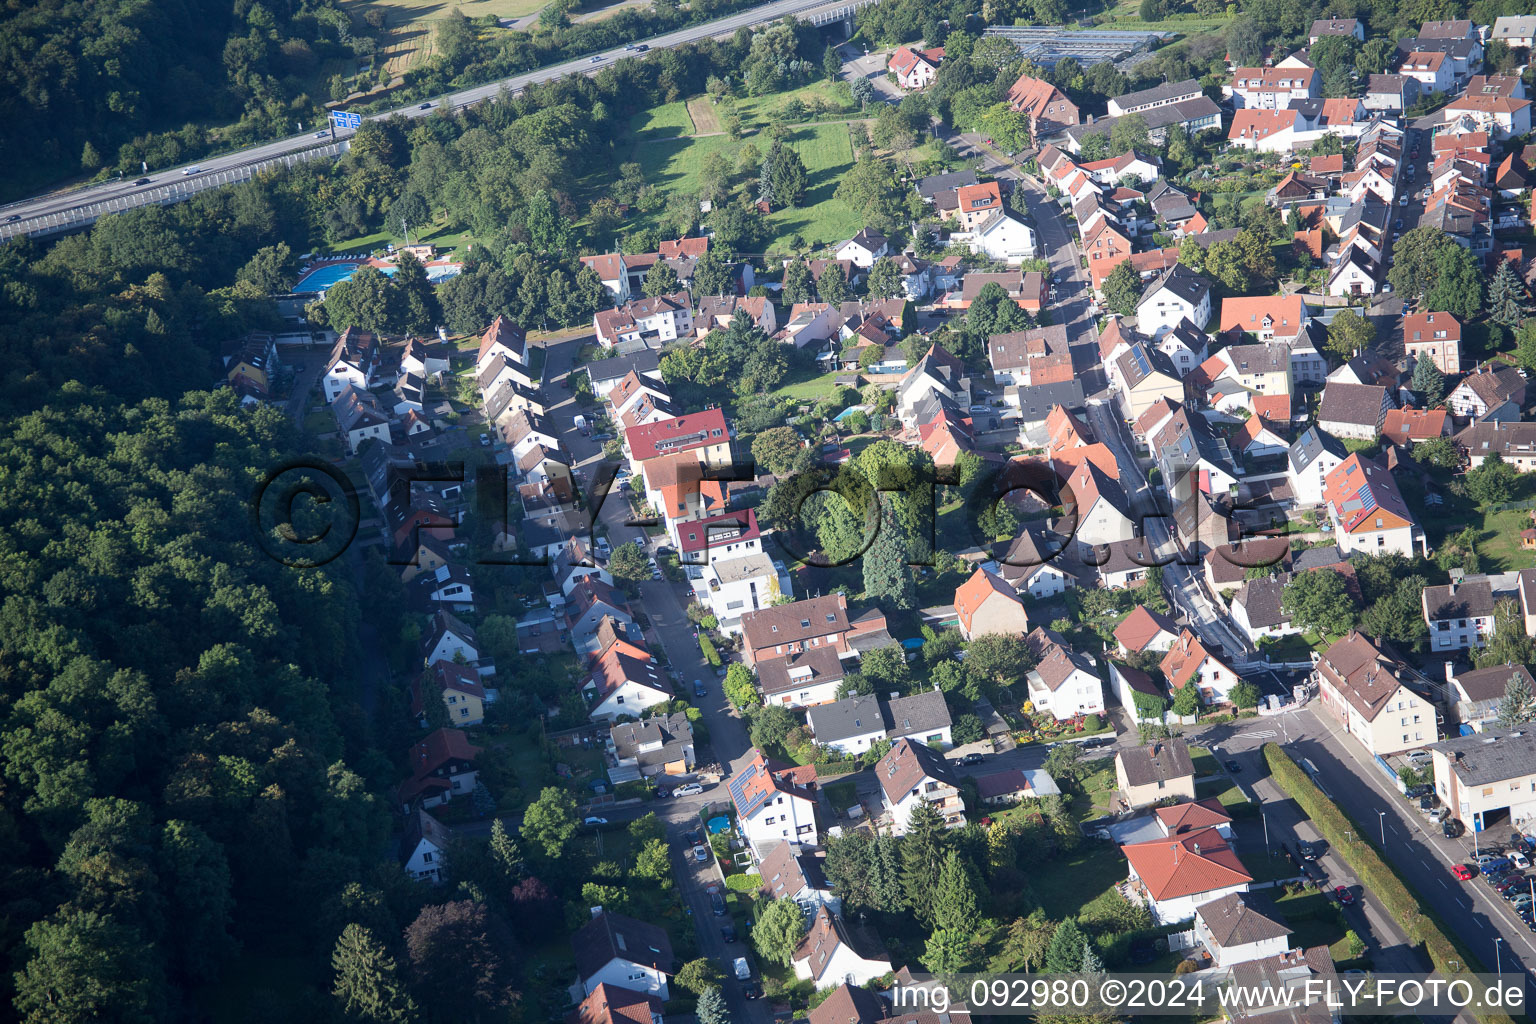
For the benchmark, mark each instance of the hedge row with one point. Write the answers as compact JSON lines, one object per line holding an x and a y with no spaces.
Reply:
{"x":710,"y":654}
{"x":1378,"y":877}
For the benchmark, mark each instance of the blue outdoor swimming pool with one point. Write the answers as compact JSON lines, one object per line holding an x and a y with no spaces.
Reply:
{"x":323,"y":277}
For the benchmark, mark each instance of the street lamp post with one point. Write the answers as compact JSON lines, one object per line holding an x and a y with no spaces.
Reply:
{"x":1382,"y":817}
{"x":1498,"y":959}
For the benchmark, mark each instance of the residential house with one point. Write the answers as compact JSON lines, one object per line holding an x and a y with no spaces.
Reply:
{"x":1362,"y":687}
{"x":801,"y":678}
{"x":937,"y":373}
{"x":1459,"y":615}
{"x":1239,"y":928}
{"x":1367,"y":511}
{"x":809,"y":624}
{"x":624,"y":680}
{"x":1064,"y":681}
{"x":771,"y":806}
{"x":617,"y":951}
{"x":612,"y":271}
{"x":359,"y":416}
{"x":457,"y":687}
{"x":922,"y":717}
{"x":717,"y":311}
{"x":1179,"y":874}
{"x":976,"y":203}
{"x":1000,"y":789}
{"x":1515,"y":443}
{"x":909,"y":774}
{"x":1193,"y":816}
{"x":1145,"y":775}
{"x":832,"y":954}
{"x":794,"y":872}
{"x":1337,"y":27}
{"x":704,"y":434}
{"x":423,"y":850}
{"x":448,"y":639}
{"x":1500,"y":116}
{"x":1517,"y":31}
{"x":1003,"y":237}
{"x":1157,"y":96}
{"x":1035,"y":564}
{"x":1047,"y":107}
{"x":1189,"y":663}
{"x":652,"y":321}
{"x":730,"y":587}
{"x":586,"y":606}
{"x":1145,"y":630}
{"x":1353,"y":410}
{"x":730,"y":535}
{"x":914,"y":69}
{"x":610,"y":1004}
{"x":1272,"y":88}
{"x":1145,"y":376}
{"x":659,"y":745}
{"x":1436,"y":337}
{"x":1488,"y":777}
{"x":984,"y":605}
{"x":851,"y":725}
{"x":442,"y":767}
{"x":1100,"y":505}
{"x":1354,"y":275}
{"x":502,"y":340}
{"x":1434,"y":72}
{"x":354,"y":361}
{"x":864,"y":248}
{"x":1407,"y":426}
{"x":1040,"y":355}
{"x":1391,"y":93}
{"x":1257,"y":610}
{"x":1178,"y":294}
{"x":1489,"y":393}
{"x":1311,"y":457}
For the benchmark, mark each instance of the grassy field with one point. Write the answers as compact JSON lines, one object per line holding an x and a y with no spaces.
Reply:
{"x":411,"y":33}
{"x":1066,"y":885}
{"x":823,"y":100}
{"x":705,"y":119}
{"x":668,"y":121}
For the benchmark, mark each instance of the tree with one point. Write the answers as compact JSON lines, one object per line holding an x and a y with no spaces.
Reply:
{"x":1186,"y":700}
{"x":784,"y":179}
{"x":459,"y":956}
{"x":886,"y":667}
{"x":1129,"y":133}
{"x":777,"y":449}
{"x":955,"y":901}
{"x":1122,"y":289}
{"x":1437,"y":451}
{"x":1245,"y":695}
{"x":832,"y":286}
{"x":1008,"y":128}
{"x":739,"y":689}
{"x":884,"y":281}
{"x":1506,"y":297}
{"x":83,"y":967}
{"x":799,"y":286}
{"x":831,"y":63}
{"x":661,"y":279}
{"x":1375,"y":56}
{"x":271,"y":270}
{"x":414,"y":301}
{"x":629,"y":563}
{"x":1224,"y":262}
{"x":698,"y":976}
{"x":1350,"y":333}
{"x":948,"y":953}
{"x":1065,"y":763}
{"x":711,"y":1007}
{"x":194,"y":873}
{"x":366,"y":301}
{"x":997,"y":659}
{"x":710,"y":274}
{"x":368,"y":986}
{"x":654,"y":864}
{"x":1026,"y":943}
{"x":887,"y":576}
{"x":1064,"y":955}
{"x":771,"y":725}
{"x":550,"y":821}
{"x":1493,"y":481}
{"x":1509,"y":645}
{"x":779,"y":930}
{"x":1428,"y":381}
{"x":1458,"y":283}
{"x":1191,"y":254}
{"x":1320,"y":602}
{"x":923,"y":852}
{"x":1518,"y":705}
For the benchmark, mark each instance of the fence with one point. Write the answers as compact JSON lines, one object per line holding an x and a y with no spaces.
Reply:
{"x":163,"y":195}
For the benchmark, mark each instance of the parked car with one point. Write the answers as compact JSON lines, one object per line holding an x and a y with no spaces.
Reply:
{"x":1234,"y":768}
{"x":695,"y":836}
{"x":1452,"y":828}
{"x":485,"y":440}
{"x":595,"y":822}
{"x":1464,"y":872}
{"x":972,"y":759}
{"x":426,"y":106}
{"x":691,"y":789}
{"x":1310,"y":851}
{"x":604,"y":549}
{"x":701,"y":854}
{"x":717,"y":903}
{"x":1497,"y":865}
{"x":728,"y":931}
{"x":1344,"y":896}
{"x":698,"y":688}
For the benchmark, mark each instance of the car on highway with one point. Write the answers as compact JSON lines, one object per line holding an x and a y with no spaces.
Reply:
{"x":426,"y":106}
{"x":595,"y":822}
{"x":1344,"y":896}
{"x":596,"y":59}
{"x":191,"y":170}
{"x":1464,"y":872}
{"x":142,"y":181}
{"x":691,"y":789}
{"x":972,"y":759}
{"x":322,"y":135}
{"x":642,"y":47}
{"x":701,"y":853}
{"x":14,"y":216}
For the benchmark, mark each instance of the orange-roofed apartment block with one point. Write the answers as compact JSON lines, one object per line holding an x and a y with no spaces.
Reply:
{"x":1367,"y":510}
{"x":1179,"y":873}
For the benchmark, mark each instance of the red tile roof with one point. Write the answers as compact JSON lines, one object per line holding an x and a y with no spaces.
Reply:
{"x":975,"y":592}
{"x":678,"y":434}
{"x":1192,"y":863}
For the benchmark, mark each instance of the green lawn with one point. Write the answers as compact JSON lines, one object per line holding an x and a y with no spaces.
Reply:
{"x":667,"y":121}
{"x":810,"y":389}
{"x":823,"y":100}
{"x":1067,"y":885}
{"x":828,"y":154}
{"x":1204,"y":762}
{"x":1315,"y":919}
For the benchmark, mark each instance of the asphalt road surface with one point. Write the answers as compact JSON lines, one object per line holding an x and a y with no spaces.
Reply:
{"x":61,"y":202}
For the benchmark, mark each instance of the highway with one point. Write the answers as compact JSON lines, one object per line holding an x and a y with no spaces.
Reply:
{"x":14,"y":217}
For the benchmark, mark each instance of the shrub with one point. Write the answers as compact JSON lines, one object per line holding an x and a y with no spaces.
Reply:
{"x":1092,"y":723}
{"x":748,"y":883}
{"x":710,"y":654}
